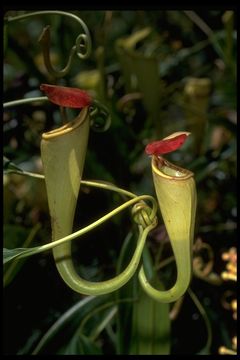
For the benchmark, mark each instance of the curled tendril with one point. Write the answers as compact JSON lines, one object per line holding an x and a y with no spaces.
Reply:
{"x":143,"y":214}
{"x":100,"y":117}
{"x":83,"y":41}
{"x":44,"y":41}
{"x":201,"y":267}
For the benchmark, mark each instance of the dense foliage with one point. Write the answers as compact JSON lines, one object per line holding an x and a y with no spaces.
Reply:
{"x":157,"y":72}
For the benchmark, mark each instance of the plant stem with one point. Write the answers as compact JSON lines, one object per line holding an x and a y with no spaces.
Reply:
{"x":49,"y":12}
{"x":204,"y":315}
{"x":97,"y":184}
{"x":90,"y":227}
{"x":63,"y":114}
{"x":165,"y":262}
{"x":56,"y":12}
{"x":24,"y":101}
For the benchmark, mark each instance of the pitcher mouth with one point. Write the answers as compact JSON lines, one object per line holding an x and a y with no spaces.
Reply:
{"x":67,"y":128}
{"x":164,"y":168}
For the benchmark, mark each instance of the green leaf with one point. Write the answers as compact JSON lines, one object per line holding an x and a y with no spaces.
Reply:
{"x":150,"y":321}
{"x":204,"y":351}
{"x":124,"y":313}
{"x":82,"y":345}
{"x":15,"y":235}
{"x":103,"y":322}
{"x":68,"y":323}
{"x":131,"y":41}
{"x":10,"y":254}
{"x":8,"y":165}
{"x":151,"y":327}
{"x":141,"y":73}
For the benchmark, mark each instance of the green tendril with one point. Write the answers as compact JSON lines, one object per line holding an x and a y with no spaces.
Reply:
{"x":100,"y":117}
{"x":83,"y":41}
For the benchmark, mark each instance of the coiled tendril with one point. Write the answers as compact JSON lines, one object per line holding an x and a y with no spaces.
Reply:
{"x":100,"y":117}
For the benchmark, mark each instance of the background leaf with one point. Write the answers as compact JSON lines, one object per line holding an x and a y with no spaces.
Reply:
{"x":10,"y":254}
{"x":150,"y":321}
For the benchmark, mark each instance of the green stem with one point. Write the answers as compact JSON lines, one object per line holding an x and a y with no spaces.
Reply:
{"x":204,"y":315}
{"x":85,"y":287}
{"x":109,"y":186}
{"x":97,"y":184}
{"x":165,"y":262}
{"x":62,"y":13}
{"x":48,"y":12}
{"x":98,"y":288}
{"x":63,"y":115}
{"x":25,"y":173}
{"x":90,"y":227}
{"x":24,"y":101}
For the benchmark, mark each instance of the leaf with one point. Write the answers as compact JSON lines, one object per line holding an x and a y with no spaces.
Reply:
{"x":204,"y":351}
{"x":82,"y":345}
{"x":8,"y":165}
{"x":68,"y":323}
{"x":150,"y":84}
{"x":150,"y":321}
{"x":124,"y":314}
{"x":65,"y":96}
{"x":105,"y":320}
{"x":14,"y":236}
{"x":131,"y":41}
{"x":151,"y":326}
{"x":10,"y":254}
{"x":11,"y":270}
